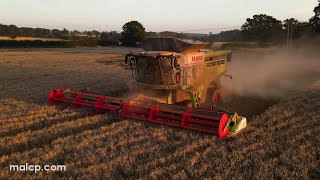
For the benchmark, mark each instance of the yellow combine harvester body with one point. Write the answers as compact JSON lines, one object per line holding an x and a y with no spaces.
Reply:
{"x":173,"y":71}
{"x":170,"y":71}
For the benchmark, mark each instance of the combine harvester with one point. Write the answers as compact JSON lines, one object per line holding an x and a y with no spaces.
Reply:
{"x":177,"y":78}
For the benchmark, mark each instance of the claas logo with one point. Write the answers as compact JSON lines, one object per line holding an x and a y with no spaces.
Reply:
{"x":197,"y":58}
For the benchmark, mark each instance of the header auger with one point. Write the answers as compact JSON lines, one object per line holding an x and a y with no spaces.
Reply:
{"x":179,"y":73}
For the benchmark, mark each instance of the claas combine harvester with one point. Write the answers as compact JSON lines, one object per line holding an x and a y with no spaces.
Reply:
{"x":178,"y":79}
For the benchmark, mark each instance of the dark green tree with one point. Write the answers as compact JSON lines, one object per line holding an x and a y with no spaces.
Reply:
{"x":298,"y":28}
{"x":13,"y":31}
{"x":29,"y":32}
{"x":262,"y":28}
{"x":65,"y":31}
{"x":290,"y":22}
{"x":315,"y":20}
{"x":88,"y":33}
{"x":95,"y":33}
{"x":75,"y":32}
{"x":105,"y":36}
{"x":291,"y":26}
{"x":115,"y":36}
{"x":132,"y":33}
{"x":110,"y":36}
{"x":56,"y":33}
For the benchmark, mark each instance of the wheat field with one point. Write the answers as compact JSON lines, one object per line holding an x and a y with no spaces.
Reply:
{"x":281,"y":140}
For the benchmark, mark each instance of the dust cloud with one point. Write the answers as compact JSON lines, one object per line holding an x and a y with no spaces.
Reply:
{"x":274,"y":72}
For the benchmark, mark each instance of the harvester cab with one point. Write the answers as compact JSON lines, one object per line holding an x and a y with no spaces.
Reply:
{"x":182,"y":77}
{"x":179,"y":71}
{"x":156,"y":68}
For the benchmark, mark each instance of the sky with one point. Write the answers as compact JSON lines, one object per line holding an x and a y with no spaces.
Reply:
{"x":197,"y":16}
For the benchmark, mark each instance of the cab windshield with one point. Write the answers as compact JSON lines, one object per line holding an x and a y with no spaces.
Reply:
{"x":155,"y":71}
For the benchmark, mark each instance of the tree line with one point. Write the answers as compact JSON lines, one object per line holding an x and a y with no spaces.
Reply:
{"x":259,"y":28}
{"x":265,"y":28}
{"x":14,"y":31}
{"x":53,"y":44}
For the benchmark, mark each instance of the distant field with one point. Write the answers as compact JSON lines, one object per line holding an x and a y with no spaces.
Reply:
{"x":280,"y":142}
{"x":29,"y":38}
{"x":217,"y":45}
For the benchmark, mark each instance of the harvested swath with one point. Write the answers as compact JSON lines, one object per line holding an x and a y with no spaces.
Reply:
{"x":36,"y":118}
{"x":38,"y":138}
{"x":282,"y":142}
